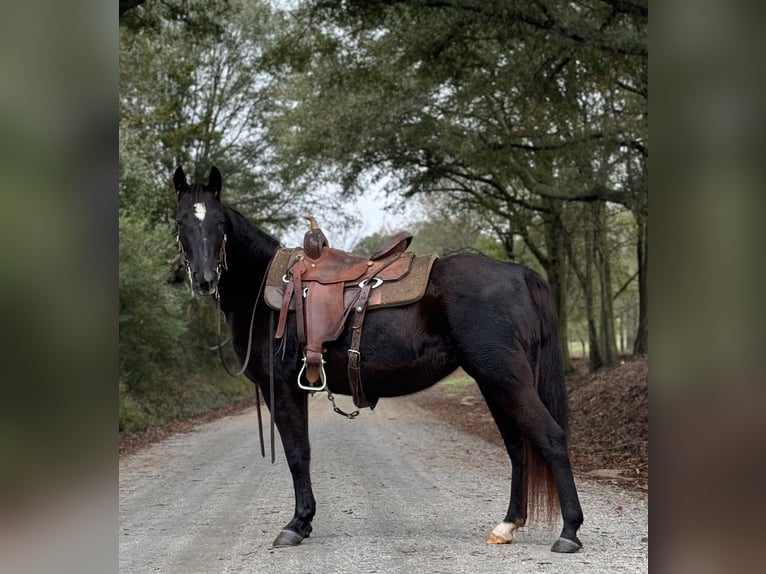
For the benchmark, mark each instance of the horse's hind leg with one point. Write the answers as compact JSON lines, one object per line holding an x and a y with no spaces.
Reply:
{"x":550,"y":439}
{"x":517,"y":507}
{"x":291,"y":418}
{"x":515,"y":394}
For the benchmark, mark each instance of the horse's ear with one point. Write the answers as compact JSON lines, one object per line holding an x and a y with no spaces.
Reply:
{"x":214,"y":182}
{"x":179,"y":181}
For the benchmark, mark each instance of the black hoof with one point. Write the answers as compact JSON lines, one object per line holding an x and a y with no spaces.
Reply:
{"x":287,"y":538}
{"x":566,"y":546}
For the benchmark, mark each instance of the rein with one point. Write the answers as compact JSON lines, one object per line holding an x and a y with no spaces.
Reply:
{"x":249,"y":338}
{"x":246,"y":362}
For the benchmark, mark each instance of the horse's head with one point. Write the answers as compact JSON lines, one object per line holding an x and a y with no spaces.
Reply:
{"x":201,"y":222}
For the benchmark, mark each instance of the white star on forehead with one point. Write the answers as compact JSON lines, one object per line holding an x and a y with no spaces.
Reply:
{"x":199,"y":211}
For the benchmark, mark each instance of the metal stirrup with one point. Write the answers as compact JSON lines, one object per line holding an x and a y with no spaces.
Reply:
{"x":322,"y":378}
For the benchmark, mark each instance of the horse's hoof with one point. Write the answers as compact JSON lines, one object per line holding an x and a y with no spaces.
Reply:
{"x":287,"y":538}
{"x":566,"y":546}
{"x":497,"y":539}
{"x":503,"y":532}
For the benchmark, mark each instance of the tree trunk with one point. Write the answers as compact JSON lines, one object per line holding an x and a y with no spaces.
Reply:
{"x":641,"y":344}
{"x":556,"y":269}
{"x":507,"y":239}
{"x":594,"y":353}
{"x":622,"y":334}
{"x":608,"y":343}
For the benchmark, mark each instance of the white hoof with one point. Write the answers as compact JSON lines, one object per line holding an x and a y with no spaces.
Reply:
{"x":502,"y":533}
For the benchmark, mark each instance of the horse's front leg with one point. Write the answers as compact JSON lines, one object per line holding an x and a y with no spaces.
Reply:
{"x":291,"y":418}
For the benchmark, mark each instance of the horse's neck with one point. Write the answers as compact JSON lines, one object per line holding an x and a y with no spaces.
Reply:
{"x":248,"y":253}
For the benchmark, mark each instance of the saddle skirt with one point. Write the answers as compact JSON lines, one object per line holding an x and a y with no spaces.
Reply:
{"x":403,"y":284}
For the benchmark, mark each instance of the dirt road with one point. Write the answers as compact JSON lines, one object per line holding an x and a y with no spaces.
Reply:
{"x":397,"y":491}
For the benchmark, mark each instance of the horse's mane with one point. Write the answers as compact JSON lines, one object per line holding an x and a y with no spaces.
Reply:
{"x":246,"y":232}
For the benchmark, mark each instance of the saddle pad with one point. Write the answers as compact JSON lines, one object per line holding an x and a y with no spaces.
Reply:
{"x":408,"y":289}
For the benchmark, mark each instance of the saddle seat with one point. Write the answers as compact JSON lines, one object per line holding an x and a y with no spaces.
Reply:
{"x":324,"y":290}
{"x":336,"y":266}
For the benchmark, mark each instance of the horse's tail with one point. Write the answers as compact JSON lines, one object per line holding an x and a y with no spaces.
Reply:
{"x":539,"y":484}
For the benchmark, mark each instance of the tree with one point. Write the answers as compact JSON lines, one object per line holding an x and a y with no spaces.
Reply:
{"x":193,"y":92}
{"x":190,"y":93}
{"x":511,"y":109}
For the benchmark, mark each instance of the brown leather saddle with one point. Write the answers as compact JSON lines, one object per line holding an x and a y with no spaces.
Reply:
{"x":325,"y":289}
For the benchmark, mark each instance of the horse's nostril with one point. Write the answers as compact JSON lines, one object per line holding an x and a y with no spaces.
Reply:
{"x":210,"y":275}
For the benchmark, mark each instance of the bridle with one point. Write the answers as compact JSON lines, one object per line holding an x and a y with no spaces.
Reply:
{"x":221,"y":266}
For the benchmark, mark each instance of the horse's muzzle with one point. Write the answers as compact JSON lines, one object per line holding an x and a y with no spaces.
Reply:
{"x":205,"y":282}
{"x":206,"y":287}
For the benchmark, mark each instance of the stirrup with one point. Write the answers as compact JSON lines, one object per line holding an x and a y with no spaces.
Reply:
{"x":322,"y":378}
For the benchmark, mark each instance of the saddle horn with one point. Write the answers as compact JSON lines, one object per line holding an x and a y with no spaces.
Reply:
{"x":315,"y":240}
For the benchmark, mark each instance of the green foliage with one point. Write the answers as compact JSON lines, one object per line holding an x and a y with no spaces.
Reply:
{"x":132,"y":416}
{"x":491,"y":246}
{"x":193,"y":92}
{"x":167,"y":369}
{"x":371,"y":243}
{"x":464,"y":97}
{"x":444,"y":236}
{"x":453,"y":384}
{"x":140,"y":196}
{"x":152,"y":311}
{"x":180,"y":395}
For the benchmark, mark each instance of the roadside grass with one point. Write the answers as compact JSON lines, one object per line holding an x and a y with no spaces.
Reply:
{"x":455,"y":382}
{"x":177,"y":397}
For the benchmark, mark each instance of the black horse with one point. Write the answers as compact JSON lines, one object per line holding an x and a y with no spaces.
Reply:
{"x":493,"y":319}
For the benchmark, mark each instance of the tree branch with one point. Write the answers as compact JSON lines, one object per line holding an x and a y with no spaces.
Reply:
{"x":536,"y":251}
{"x":633,"y":89}
{"x":126,"y":5}
{"x":598,"y":192}
{"x":544,"y":19}
{"x":625,"y":285}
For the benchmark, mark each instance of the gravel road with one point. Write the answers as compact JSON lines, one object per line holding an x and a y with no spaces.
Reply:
{"x":397,"y":491}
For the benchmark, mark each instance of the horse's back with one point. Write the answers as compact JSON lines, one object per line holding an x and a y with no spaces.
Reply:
{"x":477,"y":288}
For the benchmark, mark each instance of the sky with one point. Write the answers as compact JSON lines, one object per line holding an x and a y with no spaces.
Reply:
{"x":371,"y":208}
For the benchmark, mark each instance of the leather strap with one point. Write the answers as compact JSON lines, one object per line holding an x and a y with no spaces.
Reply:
{"x":354,"y":359}
{"x":297,"y":271}
{"x":396,"y":244}
{"x":260,"y":422}
{"x":313,"y":365}
{"x":271,"y":388}
{"x":288,"y":294}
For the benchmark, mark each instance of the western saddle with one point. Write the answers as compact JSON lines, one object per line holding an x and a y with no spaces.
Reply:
{"x":323,"y":286}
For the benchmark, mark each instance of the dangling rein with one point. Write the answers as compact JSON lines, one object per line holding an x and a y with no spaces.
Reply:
{"x":247,"y":361}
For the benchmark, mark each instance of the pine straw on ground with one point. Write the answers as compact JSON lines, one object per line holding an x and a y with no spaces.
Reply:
{"x":608,"y":421}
